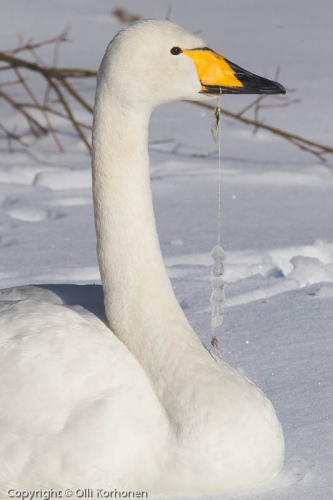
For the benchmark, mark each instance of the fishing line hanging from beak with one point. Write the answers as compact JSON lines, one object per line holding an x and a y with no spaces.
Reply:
{"x":217,"y":298}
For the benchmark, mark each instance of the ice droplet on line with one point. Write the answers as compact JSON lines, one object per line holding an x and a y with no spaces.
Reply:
{"x":217,"y":298}
{"x":215,"y":125}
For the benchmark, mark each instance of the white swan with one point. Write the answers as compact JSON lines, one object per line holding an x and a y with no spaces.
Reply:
{"x":143,"y":405}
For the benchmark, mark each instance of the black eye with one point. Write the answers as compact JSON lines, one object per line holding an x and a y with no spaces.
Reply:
{"x":175,"y":51}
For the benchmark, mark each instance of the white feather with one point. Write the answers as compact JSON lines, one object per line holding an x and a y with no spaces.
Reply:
{"x":142,"y":405}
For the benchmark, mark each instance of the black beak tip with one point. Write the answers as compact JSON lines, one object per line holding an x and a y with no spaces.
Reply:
{"x":254,"y":84}
{"x":280,"y":88}
{"x":264,"y":86}
{"x":251,"y":83}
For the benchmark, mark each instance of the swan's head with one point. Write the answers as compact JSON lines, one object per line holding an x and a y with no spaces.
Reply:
{"x":154,"y":62}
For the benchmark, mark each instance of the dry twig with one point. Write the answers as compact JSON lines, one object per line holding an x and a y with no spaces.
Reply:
{"x":124,"y":15}
{"x":29,"y":45}
{"x":60,"y":94}
{"x":313,"y":147}
{"x":58,"y":85}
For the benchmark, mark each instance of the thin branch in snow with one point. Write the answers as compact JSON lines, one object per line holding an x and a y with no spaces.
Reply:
{"x":41,"y":108}
{"x":60,"y":93}
{"x":125,"y":16}
{"x":29,"y":45}
{"x":313,"y":147}
{"x":57,"y":84}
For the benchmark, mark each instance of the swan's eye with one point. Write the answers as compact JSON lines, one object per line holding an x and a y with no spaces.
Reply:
{"x":175,"y":51}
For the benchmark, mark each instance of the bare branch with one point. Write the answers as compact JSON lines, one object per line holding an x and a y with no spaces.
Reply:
{"x":54,"y":112}
{"x":305,"y":144}
{"x":59,"y":87}
{"x":76,"y":96}
{"x":55,"y":78}
{"x":29,"y":45}
{"x":57,"y":73}
{"x":125,"y":16}
{"x":12,"y":136}
{"x":169,"y":11}
{"x":36,"y":127}
{"x":69,"y":113}
{"x":40,"y":107}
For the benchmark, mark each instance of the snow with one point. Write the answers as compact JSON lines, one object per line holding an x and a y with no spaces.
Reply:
{"x":277,"y":206}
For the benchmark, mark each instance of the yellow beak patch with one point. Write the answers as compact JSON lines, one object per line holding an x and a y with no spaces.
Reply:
{"x":212,"y":68}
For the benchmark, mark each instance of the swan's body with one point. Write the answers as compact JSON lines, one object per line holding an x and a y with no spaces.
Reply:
{"x":147,"y":406}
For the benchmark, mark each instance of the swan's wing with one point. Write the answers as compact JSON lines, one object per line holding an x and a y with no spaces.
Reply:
{"x":31,"y":292}
{"x":75,"y":405}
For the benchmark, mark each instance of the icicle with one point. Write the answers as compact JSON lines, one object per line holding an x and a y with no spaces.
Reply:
{"x":215,"y":126}
{"x":217,"y":298}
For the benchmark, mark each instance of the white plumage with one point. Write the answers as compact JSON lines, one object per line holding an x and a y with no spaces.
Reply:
{"x":143,"y":405}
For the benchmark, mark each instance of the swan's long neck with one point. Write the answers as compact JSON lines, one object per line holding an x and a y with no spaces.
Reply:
{"x":140,"y":304}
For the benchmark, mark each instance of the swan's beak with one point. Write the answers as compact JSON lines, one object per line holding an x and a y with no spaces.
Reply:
{"x":217,"y":75}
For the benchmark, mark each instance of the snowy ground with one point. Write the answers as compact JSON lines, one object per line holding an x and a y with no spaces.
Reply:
{"x":277,"y":222}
